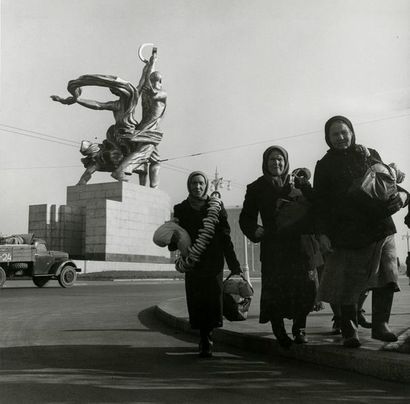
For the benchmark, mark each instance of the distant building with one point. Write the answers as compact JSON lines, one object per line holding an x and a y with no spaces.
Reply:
{"x":238,"y":240}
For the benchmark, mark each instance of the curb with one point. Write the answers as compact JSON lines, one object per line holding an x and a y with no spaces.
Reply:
{"x":384,"y":365}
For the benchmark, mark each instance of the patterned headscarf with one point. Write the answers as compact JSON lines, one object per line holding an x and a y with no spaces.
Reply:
{"x":197,"y":201}
{"x":283,"y":177}
{"x":339,"y":118}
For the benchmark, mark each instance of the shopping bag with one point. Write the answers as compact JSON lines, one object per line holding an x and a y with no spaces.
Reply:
{"x":237,"y":297}
{"x":378,"y":183}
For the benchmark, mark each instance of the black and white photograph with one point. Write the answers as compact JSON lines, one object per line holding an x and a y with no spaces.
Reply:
{"x":204,"y":201}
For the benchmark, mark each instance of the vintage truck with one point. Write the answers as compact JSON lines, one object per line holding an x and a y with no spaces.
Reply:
{"x":27,"y":256}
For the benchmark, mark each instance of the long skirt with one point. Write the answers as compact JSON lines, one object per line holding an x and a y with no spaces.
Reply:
{"x":350,"y":272}
{"x":204,"y":300}
{"x":288,"y":291}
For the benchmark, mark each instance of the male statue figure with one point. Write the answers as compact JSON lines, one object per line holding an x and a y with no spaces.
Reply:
{"x":147,"y":133}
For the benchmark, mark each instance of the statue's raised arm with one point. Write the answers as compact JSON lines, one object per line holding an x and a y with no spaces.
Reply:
{"x":147,"y":133}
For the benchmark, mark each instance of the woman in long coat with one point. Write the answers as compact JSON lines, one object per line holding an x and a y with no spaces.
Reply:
{"x":288,"y":287}
{"x":363,"y":254}
{"x":204,"y":281}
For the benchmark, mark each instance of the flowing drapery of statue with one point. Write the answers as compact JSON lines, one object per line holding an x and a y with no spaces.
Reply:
{"x":129,"y":146}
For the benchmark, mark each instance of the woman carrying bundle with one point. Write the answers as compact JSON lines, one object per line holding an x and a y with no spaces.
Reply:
{"x":289,"y":257}
{"x":359,"y":232}
{"x":205,"y":220}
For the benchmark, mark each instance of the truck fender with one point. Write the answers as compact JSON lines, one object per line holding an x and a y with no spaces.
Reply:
{"x":63,"y":264}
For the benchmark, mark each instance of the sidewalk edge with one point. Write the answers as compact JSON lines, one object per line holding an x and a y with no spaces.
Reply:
{"x":390,"y":366}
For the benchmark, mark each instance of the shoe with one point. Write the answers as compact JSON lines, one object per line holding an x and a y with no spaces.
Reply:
{"x":352,"y":342}
{"x":382,"y":332}
{"x":285,"y":342}
{"x":280,"y":334}
{"x":205,"y":346}
{"x":300,"y":338}
{"x":361,"y":320}
{"x":381,"y":307}
{"x":205,"y":350}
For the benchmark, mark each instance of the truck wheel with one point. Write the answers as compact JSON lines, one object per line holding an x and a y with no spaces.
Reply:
{"x":40,"y":281}
{"x":67,"y":276}
{"x":2,"y":276}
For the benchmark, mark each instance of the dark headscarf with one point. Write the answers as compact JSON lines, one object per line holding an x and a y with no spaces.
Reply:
{"x":197,"y":202}
{"x":339,"y":118}
{"x":283,"y":178}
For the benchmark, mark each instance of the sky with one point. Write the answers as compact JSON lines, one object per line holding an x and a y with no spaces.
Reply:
{"x":240,"y":76}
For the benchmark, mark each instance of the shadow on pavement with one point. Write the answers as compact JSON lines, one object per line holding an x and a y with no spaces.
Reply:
{"x":112,"y":373}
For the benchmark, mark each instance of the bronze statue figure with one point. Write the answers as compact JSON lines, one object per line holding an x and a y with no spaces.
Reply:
{"x":129,"y":147}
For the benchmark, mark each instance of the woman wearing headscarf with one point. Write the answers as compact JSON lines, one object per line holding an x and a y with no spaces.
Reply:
{"x":288,"y":289}
{"x":204,"y":281}
{"x":360,"y":239}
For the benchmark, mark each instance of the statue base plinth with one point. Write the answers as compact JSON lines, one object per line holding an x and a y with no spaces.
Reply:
{"x":112,"y":221}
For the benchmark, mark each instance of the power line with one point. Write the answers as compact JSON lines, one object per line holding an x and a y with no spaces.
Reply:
{"x":39,"y":133}
{"x":37,"y":137}
{"x":35,"y":168}
{"x":55,"y":139}
{"x":275,"y":139}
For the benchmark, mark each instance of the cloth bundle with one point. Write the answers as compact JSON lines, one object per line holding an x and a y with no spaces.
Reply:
{"x":291,"y":212}
{"x":163,"y":235}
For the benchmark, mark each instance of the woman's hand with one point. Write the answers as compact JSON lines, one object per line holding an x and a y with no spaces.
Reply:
{"x":236,"y":271}
{"x":259,"y":232}
{"x":396,"y":202}
{"x":65,"y":101}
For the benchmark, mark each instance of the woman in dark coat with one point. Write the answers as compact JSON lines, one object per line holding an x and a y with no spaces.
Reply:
{"x":288,"y":287}
{"x":204,"y":281}
{"x":363,"y":254}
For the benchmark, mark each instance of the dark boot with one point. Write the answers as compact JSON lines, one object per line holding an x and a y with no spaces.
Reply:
{"x":299,"y":330}
{"x":205,"y":343}
{"x":280,"y":333}
{"x":382,"y":300}
{"x":337,"y":319}
{"x":349,"y":326}
{"x":361,"y":319}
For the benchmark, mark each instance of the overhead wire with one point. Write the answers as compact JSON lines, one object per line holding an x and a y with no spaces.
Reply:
{"x":71,"y":143}
{"x":63,"y":142}
{"x":275,"y":139}
{"x":39,"y":133}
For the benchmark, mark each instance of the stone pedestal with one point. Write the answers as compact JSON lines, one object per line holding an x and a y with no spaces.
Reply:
{"x":105,"y":222}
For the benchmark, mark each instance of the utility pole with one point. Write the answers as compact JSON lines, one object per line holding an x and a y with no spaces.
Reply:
{"x":246,"y":266}
{"x":407,"y":238}
{"x":218,"y":182}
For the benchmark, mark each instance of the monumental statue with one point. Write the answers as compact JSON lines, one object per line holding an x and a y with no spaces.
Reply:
{"x":130,"y":147}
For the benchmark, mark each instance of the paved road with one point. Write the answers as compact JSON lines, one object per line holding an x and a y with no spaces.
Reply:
{"x":99,"y":342}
